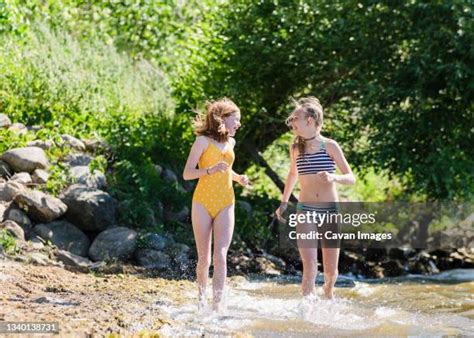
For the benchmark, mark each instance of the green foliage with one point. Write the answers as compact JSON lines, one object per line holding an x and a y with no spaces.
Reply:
{"x":139,"y":206}
{"x":88,"y":89}
{"x":10,"y":139}
{"x":254,"y":228}
{"x":59,"y":178}
{"x":51,"y":77}
{"x":98,"y":163}
{"x":372,"y":186}
{"x":8,"y":242}
{"x":395,"y":79}
{"x":155,"y":30}
{"x":388,"y":74}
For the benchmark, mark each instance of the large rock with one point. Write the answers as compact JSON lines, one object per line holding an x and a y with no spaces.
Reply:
{"x":14,"y":229}
{"x":181,"y":216}
{"x":47,"y":144}
{"x":65,"y":236}
{"x":279,"y":263}
{"x":39,"y":259}
{"x":89,"y":209}
{"x":180,"y":254}
{"x":79,"y":171}
{"x":73,"y":142}
{"x":5,"y":170}
{"x":83,"y":175}
{"x":262,"y":265}
{"x":36,"y":242}
{"x":15,"y":214}
{"x":152,"y":259}
{"x":96,"y":180}
{"x":40,"y":206}
{"x":115,"y":243}
{"x":73,"y":260}
{"x":22,"y":178}
{"x":155,"y":241}
{"x":35,"y":128}
{"x":92,"y":145}
{"x":40,"y":176}
{"x":78,"y":159}
{"x":9,"y":190}
{"x":26,"y":159}
{"x":18,"y":128}
{"x":5,"y":121}
{"x":3,"y":209}
{"x":177,"y":249}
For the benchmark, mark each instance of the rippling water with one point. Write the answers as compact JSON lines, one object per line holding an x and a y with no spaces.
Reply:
{"x":441,"y":304}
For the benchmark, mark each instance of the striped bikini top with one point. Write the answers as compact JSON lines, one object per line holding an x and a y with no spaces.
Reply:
{"x":316,"y":162}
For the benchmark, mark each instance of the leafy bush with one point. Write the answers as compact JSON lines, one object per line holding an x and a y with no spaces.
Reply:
{"x":90,"y":90}
{"x":8,"y":242}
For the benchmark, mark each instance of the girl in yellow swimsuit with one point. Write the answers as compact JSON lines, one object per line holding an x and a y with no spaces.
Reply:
{"x":213,"y":200}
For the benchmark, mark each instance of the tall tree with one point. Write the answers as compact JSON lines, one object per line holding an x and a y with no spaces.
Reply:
{"x":396,"y":79}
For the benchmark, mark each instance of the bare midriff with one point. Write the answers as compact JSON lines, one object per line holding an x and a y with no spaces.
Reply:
{"x":314,"y":189}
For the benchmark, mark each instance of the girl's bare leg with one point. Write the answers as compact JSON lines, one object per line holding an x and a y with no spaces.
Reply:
{"x":223,"y":230}
{"x":330,"y":261}
{"x":202,"y":227}
{"x":309,"y":257}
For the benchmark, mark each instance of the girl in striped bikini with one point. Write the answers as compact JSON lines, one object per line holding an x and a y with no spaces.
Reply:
{"x":314,"y":159}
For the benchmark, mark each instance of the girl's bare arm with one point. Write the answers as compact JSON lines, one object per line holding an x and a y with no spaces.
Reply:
{"x":190,"y":171}
{"x":337,"y":155}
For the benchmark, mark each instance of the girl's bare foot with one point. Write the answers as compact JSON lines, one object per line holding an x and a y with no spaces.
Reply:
{"x":328,"y":291}
{"x":217,"y":306}
{"x":218,"y":301}
{"x":202,"y":303}
{"x":202,"y":299}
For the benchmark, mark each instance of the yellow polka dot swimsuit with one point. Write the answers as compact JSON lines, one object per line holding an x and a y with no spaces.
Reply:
{"x":215,"y":192}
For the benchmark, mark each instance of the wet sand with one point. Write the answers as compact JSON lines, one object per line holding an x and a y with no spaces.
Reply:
{"x":86,"y":303}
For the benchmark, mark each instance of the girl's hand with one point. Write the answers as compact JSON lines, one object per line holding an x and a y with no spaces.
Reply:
{"x":280,"y":210}
{"x":244,"y":181}
{"x":326,"y":177}
{"x":219,"y":168}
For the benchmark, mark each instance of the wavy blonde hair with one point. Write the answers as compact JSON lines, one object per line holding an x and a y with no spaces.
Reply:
{"x":311,"y":107}
{"x":211,"y":123}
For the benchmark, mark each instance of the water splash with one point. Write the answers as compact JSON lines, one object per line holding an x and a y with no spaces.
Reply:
{"x":268,"y":308}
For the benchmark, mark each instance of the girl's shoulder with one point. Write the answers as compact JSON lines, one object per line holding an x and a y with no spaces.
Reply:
{"x":202,"y":141}
{"x":232,"y":141}
{"x":327,"y":140}
{"x":331,"y":145}
{"x":202,"y":138}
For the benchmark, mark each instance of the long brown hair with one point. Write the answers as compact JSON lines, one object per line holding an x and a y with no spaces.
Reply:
{"x":311,"y":107}
{"x":211,"y":123}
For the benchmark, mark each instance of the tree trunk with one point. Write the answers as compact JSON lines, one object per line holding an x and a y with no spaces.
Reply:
{"x":259,"y":160}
